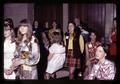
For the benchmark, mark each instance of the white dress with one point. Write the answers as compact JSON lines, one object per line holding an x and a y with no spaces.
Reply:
{"x":58,"y":58}
{"x":9,"y":49}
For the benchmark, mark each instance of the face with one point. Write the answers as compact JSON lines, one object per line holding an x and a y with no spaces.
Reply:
{"x":93,"y":36}
{"x":36,"y":23}
{"x":54,"y":24}
{"x":71,"y":27}
{"x":7,"y":31}
{"x":76,"y":20}
{"x":100,"y":53}
{"x":23,"y":29}
{"x":46,"y":24}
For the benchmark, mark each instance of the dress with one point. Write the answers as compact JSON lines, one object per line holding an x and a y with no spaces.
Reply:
{"x":58,"y":58}
{"x":105,"y":71}
{"x":91,"y":51}
{"x":9,"y":49}
{"x":28,"y":70}
{"x":112,"y":48}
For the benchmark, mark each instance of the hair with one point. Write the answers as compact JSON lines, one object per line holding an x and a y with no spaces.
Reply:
{"x":113,"y":27}
{"x":114,"y":19}
{"x":96,"y":33}
{"x":10,"y":24}
{"x":33,"y":24}
{"x":57,"y":37}
{"x":69,"y":23}
{"x":28,"y":34}
{"x":76,"y":32}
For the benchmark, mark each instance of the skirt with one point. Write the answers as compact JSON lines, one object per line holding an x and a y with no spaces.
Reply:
{"x":71,"y":61}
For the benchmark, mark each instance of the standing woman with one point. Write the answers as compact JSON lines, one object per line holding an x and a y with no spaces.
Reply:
{"x":112,"y":40}
{"x":74,"y":48}
{"x":9,"y":48}
{"x":90,"y":52}
{"x":27,"y":53}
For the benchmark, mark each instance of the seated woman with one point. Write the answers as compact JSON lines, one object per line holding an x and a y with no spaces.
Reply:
{"x":103,"y":69}
{"x":56,"y":56}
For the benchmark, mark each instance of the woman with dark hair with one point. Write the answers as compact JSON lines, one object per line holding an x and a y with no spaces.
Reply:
{"x":9,"y":21}
{"x":113,"y":40}
{"x":74,"y":43}
{"x":90,"y":51}
{"x":56,"y":57}
{"x":102,"y":69}
{"x":36,"y":29}
{"x":27,"y":53}
{"x":9,"y":48}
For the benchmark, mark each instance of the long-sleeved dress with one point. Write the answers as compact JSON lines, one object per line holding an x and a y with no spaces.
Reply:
{"x":28,"y":70}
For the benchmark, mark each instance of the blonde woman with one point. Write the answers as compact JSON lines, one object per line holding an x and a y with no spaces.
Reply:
{"x":56,"y":57}
{"x":27,"y":53}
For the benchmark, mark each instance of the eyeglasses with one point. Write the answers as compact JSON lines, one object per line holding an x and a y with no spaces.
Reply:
{"x":7,"y":29}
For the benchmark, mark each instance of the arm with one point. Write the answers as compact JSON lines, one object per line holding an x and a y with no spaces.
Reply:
{"x":50,"y":56}
{"x":87,"y":54}
{"x":81,"y":43}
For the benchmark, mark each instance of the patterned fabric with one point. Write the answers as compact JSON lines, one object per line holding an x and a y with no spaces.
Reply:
{"x":91,"y":54}
{"x":29,"y":71}
{"x":71,"y":61}
{"x":92,"y":49}
{"x":105,"y":71}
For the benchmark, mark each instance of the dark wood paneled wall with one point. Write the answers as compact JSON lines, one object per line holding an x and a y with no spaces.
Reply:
{"x":48,"y":12}
{"x":93,"y":15}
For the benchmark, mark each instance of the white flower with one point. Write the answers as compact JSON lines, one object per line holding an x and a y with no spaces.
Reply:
{"x":90,"y":45}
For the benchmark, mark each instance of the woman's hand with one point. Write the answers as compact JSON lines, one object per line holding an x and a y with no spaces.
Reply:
{"x":8,"y":71}
{"x":18,"y":61}
{"x":88,"y":63}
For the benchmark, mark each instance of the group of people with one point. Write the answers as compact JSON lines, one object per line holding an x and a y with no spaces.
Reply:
{"x":32,"y":52}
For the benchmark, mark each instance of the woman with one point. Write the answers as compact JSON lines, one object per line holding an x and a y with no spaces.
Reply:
{"x":90,"y":51}
{"x":53,"y":29}
{"x":9,"y":48}
{"x":103,"y":69}
{"x":112,"y":40}
{"x":56,"y":56}
{"x":74,"y":43}
{"x":27,"y":53}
